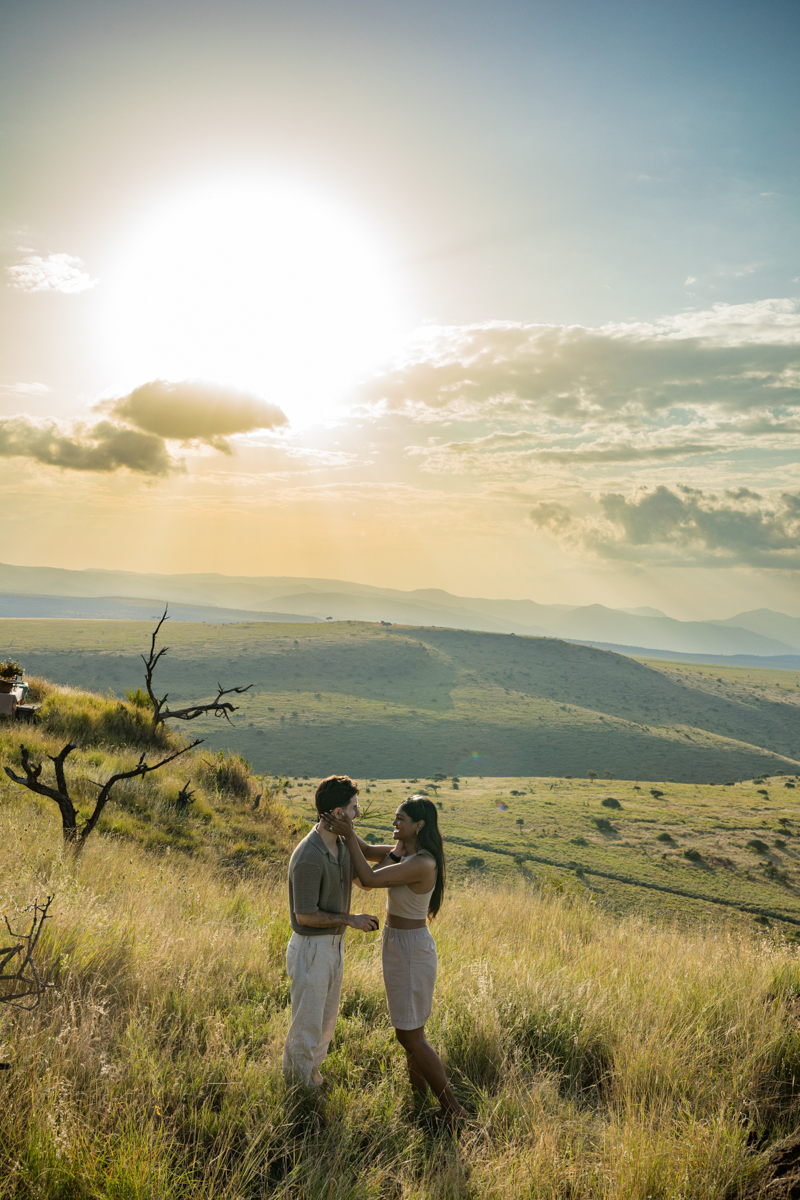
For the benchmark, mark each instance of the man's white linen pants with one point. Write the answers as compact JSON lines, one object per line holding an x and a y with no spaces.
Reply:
{"x":315,"y":966}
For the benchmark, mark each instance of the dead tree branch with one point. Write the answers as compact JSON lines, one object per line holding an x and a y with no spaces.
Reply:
{"x":75,"y":835}
{"x":184,"y":798}
{"x":161,"y":712}
{"x":27,"y":986}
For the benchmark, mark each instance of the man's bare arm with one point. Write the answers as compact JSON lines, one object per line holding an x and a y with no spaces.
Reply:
{"x":328,"y":920}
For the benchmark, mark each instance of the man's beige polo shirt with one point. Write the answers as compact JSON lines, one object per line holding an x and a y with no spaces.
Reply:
{"x":319,"y":880}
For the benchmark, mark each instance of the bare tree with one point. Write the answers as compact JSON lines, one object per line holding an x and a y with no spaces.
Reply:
{"x":161,"y":713}
{"x":27,"y":986}
{"x":75,"y":835}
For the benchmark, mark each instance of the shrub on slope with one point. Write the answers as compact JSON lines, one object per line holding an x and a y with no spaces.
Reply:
{"x":220,"y":822}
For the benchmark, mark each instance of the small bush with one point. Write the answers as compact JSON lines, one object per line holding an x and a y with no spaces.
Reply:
{"x":610,"y":802}
{"x":665,"y":837}
{"x":229,"y":774}
{"x":757,"y":845}
{"x":39,"y":689}
{"x":91,"y":720}
{"x":692,"y":854}
{"x":604,"y":825}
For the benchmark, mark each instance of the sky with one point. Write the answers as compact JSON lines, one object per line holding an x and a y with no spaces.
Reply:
{"x":500,"y":298}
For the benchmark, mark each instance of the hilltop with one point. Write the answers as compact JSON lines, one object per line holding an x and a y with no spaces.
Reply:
{"x":380,"y":701}
{"x":50,"y":592}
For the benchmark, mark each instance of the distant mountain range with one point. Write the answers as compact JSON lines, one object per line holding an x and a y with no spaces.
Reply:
{"x":53,"y":592}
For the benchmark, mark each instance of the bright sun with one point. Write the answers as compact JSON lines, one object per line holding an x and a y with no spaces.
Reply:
{"x":254,"y":282}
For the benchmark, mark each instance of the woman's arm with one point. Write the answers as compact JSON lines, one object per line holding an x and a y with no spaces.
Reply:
{"x":410,"y":870}
{"x":373,"y":853}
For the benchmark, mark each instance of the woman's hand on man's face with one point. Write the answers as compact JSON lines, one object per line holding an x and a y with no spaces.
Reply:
{"x":341,"y":826}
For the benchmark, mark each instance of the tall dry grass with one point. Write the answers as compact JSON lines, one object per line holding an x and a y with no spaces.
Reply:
{"x":601,"y":1058}
{"x":221,"y":824}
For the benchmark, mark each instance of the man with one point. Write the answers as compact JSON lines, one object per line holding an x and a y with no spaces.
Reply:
{"x":320,"y":885}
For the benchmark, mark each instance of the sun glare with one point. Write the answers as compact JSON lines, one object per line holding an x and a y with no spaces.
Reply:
{"x":258,"y":283}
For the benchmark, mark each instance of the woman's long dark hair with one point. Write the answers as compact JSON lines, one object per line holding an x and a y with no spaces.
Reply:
{"x":419,"y":808}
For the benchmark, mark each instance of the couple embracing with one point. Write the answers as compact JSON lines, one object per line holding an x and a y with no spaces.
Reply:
{"x":321,"y":872}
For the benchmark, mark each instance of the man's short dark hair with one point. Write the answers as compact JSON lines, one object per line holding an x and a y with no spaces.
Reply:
{"x":334,"y":792}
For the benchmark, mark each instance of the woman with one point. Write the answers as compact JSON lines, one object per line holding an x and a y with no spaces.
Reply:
{"x":414,"y":874}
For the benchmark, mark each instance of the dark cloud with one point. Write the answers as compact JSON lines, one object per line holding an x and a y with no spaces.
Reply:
{"x":688,"y":525}
{"x":195,"y":411}
{"x":549,"y":514}
{"x":103,"y":447}
{"x":187,"y":412}
{"x":579,"y":374}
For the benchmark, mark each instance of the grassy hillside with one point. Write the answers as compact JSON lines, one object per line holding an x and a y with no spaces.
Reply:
{"x":382,"y":701}
{"x":601,"y":1056}
{"x":220,"y":825}
{"x":690,"y":849}
{"x":601,"y":1059}
{"x":635,"y":846}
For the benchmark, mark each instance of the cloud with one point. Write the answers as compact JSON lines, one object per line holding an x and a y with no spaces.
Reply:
{"x":24,"y":391}
{"x":194,"y":411}
{"x":733,"y":358}
{"x":134,"y":431}
{"x":56,"y":273}
{"x":102,"y":447}
{"x":685,"y":525}
{"x":487,"y":455}
{"x":620,"y":452}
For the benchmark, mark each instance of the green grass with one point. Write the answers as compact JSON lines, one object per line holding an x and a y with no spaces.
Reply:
{"x":611,"y":1041}
{"x":679,"y":847}
{"x":378,"y":701}
{"x":220,"y":824}
{"x":600,"y":1058}
{"x":696,"y":849}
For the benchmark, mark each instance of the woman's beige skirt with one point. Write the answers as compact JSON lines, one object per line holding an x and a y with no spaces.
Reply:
{"x":409,"y":975}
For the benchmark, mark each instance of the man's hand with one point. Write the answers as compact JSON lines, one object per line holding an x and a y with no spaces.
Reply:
{"x":364,"y":922}
{"x":341,"y":826}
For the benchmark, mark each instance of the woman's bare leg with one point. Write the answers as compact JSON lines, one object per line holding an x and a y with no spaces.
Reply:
{"x":425,"y":1067}
{"x":419,"y":1084}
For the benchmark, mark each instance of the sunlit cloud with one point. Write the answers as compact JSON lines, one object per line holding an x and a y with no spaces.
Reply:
{"x":194,"y":410}
{"x":503,"y":453}
{"x":735,"y":358}
{"x":683,"y":525}
{"x":102,"y":447}
{"x":55,"y":273}
{"x":24,"y":391}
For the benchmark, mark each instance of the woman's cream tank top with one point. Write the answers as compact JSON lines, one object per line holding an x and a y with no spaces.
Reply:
{"x":402,"y":902}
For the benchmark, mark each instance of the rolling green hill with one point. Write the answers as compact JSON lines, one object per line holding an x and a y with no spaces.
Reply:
{"x":694,"y":849}
{"x":383,"y":701}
